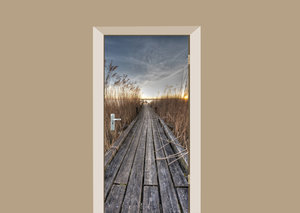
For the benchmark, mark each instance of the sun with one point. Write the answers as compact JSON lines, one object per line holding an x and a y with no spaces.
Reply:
{"x":186,"y":97}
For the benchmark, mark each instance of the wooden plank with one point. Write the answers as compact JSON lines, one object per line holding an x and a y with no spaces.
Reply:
{"x":151,"y":200}
{"x":167,"y":191}
{"x":150,"y":164}
{"x":125,"y":169}
{"x":116,"y":145}
{"x":183,"y":195}
{"x":184,"y":160}
{"x":112,"y":169}
{"x":180,"y":180}
{"x":132,"y":199}
{"x":114,"y":200}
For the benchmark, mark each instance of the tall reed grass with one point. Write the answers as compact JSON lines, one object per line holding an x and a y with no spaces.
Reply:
{"x":122,"y":97}
{"x":173,"y":108}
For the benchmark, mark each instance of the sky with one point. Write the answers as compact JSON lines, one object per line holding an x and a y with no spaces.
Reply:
{"x":154,"y":62}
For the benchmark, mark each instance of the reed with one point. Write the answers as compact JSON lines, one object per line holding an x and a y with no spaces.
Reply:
{"x":173,"y":108}
{"x":122,"y":97}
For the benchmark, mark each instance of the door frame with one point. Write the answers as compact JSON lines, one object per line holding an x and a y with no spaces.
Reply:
{"x":195,"y":106}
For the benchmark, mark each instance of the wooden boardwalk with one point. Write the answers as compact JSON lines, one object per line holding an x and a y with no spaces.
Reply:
{"x":136,"y":179}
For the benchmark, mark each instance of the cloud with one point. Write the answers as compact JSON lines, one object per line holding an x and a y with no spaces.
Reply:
{"x":153,"y":61}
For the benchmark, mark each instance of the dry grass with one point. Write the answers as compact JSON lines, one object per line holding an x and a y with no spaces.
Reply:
{"x":173,"y":108}
{"x":122,"y":97}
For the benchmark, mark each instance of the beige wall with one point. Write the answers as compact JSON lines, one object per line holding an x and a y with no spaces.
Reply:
{"x":250,"y":99}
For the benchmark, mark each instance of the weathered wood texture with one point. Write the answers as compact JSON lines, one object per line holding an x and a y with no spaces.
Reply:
{"x":124,"y":172}
{"x":115,"y":147}
{"x":151,"y":200}
{"x":134,"y":189}
{"x":183,"y":195}
{"x":114,"y":200}
{"x":167,"y":190}
{"x":136,"y":179}
{"x":113,"y":167}
{"x":175,"y":169}
{"x":176,"y":145}
{"x":150,"y":164}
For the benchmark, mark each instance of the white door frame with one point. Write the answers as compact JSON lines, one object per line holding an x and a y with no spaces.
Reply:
{"x":195,"y":106}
